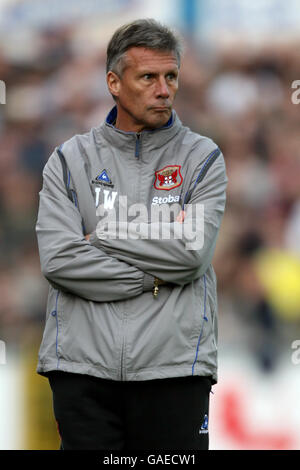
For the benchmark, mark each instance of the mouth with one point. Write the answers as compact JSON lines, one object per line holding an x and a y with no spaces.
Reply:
{"x":160,"y":108}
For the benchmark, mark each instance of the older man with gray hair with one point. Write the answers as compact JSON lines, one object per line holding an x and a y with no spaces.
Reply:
{"x":130,"y":341}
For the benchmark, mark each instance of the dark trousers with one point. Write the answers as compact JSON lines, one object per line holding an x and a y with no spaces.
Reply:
{"x":100,"y":414}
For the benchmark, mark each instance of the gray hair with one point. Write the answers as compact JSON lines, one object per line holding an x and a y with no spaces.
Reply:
{"x":147,"y":33}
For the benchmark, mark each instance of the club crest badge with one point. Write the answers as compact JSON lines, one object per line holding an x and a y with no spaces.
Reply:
{"x":103,"y":179}
{"x":168,"y":178}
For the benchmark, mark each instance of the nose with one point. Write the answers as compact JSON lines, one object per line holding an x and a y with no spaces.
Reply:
{"x":162,"y":89}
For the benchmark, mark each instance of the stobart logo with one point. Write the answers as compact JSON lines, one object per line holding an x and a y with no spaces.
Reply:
{"x":165,"y":200}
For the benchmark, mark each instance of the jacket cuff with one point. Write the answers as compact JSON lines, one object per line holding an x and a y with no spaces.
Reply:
{"x":94,"y":240}
{"x":148,"y":283}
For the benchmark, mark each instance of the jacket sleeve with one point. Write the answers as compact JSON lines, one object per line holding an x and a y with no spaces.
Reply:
{"x":68,"y":261}
{"x":177,"y":259}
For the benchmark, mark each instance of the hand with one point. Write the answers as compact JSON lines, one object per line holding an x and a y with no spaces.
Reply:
{"x":87,"y":237}
{"x":180,"y":217}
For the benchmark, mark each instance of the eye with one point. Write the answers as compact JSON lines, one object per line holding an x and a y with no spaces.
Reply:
{"x":147,"y":76}
{"x":171,"y":76}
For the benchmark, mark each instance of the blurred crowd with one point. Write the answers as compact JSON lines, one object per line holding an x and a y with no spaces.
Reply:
{"x":241,"y":98}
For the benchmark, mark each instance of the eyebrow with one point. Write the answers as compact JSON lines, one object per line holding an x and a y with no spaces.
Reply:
{"x":147,"y":71}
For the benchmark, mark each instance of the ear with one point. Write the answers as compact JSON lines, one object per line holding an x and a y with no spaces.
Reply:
{"x":113,"y":83}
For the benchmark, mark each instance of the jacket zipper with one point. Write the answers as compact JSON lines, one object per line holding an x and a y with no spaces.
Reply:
{"x":54,"y":314}
{"x":122,"y":368}
{"x":137,"y":156}
{"x":204,"y":318}
{"x":137,"y":146}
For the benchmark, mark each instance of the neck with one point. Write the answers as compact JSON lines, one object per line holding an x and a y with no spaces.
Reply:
{"x":128,"y":127}
{"x":123,"y":123}
{"x":127,"y":123}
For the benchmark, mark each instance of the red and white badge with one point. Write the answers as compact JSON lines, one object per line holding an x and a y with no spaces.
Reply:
{"x":168,"y":177}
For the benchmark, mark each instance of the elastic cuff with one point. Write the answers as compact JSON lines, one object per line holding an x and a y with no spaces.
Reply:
{"x":148,"y":282}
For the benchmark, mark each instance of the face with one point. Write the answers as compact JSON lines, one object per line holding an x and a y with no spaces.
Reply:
{"x":146,"y":90}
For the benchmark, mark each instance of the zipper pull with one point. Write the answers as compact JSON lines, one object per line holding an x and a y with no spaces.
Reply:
{"x":155,"y":287}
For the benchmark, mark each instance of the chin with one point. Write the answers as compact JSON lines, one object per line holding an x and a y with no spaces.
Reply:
{"x":159,"y":121}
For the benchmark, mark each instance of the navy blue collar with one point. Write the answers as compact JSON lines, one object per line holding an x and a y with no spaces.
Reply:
{"x":112,"y":116}
{"x":151,"y":138}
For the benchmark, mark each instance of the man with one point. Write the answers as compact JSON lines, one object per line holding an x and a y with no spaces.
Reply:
{"x":130,"y":339}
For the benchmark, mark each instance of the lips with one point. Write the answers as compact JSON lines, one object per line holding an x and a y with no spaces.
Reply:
{"x":160,"y":108}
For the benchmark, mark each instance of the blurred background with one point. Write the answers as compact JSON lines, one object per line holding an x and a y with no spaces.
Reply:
{"x":241,"y":60}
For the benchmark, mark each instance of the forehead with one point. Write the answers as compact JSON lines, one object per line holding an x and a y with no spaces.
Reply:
{"x":140,"y":58}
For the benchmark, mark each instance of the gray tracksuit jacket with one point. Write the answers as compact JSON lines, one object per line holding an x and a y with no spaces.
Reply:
{"x":102,"y":317}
